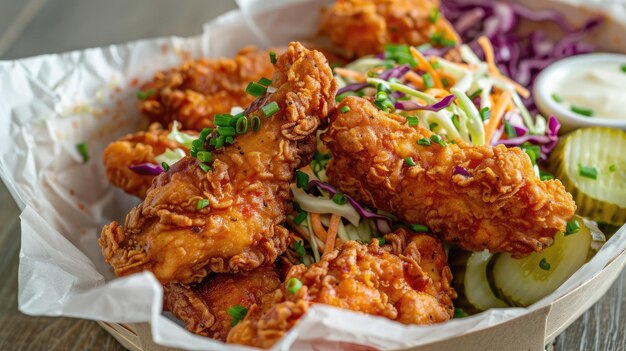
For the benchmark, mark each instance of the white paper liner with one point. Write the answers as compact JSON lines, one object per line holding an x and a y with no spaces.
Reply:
{"x":50,"y":103}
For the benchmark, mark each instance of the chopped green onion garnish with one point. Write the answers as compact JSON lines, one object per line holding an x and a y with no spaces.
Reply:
{"x":432,"y":126}
{"x":439,"y":39}
{"x":345,"y":109}
{"x":293,"y":285}
{"x":424,"y":142}
{"x":205,"y":156}
{"x":420,"y":228}
{"x":143,"y":95}
{"x":381,"y":241}
{"x":238,"y":313}
{"x":298,"y":248}
{"x":202,"y":203}
{"x":572,"y":227}
{"x":381,"y":96}
{"x":222,"y":120}
{"x":437,"y":139}
{"x":165,"y":166}
{"x":485,"y":113}
{"x":226,"y":131}
{"x":433,"y":15}
{"x":508,"y":129}
{"x":273,"y":57}
{"x":435,"y":64}
{"x":83,"y":151}
{"x":413,"y":121}
{"x":623,"y":68}
{"x":270,"y":109}
{"x":556,"y":97}
{"x":582,"y":111}
{"x":543,"y":175}
{"x":205,"y":167}
{"x":428,"y":81}
{"x":300,"y":218}
{"x":339,"y":199}
{"x":219,"y":142}
{"x":255,"y":89}
{"x":587,"y":171}
{"x":612,"y":168}
{"x":543,"y":264}
{"x":255,"y":123}
{"x":265,"y":82}
{"x":409,"y":161}
{"x":445,"y":82}
{"x":302,"y":180}
{"x":242,"y":125}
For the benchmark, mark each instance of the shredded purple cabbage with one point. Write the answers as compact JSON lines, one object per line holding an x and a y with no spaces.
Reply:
{"x":386,"y":222}
{"x":547,"y":142}
{"x":146,"y":168}
{"x":396,"y":72}
{"x":352,"y":87}
{"x":520,"y":57}
{"x":460,"y":170}
{"x":411,"y":105}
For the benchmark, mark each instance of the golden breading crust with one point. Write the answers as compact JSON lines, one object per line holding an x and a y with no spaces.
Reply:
{"x":363,"y":27}
{"x":134,"y":149}
{"x":247,"y":188}
{"x":204,"y":307}
{"x":196,"y":91}
{"x":407,"y":280}
{"x":478,"y":197}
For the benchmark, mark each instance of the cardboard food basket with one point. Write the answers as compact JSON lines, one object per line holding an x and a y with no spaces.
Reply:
{"x":51,"y":103}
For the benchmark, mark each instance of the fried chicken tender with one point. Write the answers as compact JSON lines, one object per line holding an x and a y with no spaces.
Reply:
{"x":196,"y":91}
{"x":204,"y":307}
{"x":134,"y":149}
{"x":407,"y":281}
{"x":478,"y":197}
{"x":171,"y":234}
{"x":363,"y":27}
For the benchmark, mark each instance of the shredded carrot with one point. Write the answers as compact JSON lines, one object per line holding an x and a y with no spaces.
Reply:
{"x":485,"y":44}
{"x":318,"y":228}
{"x":359,"y":77}
{"x":333,"y":227}
{"x":415,"y":79}
{"x":496,"y":114}
{"x":424,"y":64}
{"x":447,"y":28}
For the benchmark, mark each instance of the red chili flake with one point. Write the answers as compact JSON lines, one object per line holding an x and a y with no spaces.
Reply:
{"x":134,"y":82}
{"x":81,"y":207}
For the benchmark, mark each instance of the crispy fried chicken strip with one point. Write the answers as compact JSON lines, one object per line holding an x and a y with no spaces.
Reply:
{"x":407,"y":281}
{"x":478,"y":197}
{"x":134,"y":149}
{"x":196,"y":91}
{"x":363,"y":27}
{"x":204,"y":307}
{"x":247,"y":188}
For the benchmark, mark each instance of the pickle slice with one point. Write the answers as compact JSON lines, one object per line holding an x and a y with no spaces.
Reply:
{"x":522,"y":282}
{"x":477,"y":288}
{"x":590,"y":153}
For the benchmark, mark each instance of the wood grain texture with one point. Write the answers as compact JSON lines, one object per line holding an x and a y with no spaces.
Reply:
{"x":63,"y":25}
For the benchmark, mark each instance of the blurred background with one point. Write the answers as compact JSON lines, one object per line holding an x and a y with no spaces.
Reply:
{"x":33,"y":27}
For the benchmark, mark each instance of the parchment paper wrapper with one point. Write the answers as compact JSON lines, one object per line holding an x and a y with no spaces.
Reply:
{"x":50,"y":103}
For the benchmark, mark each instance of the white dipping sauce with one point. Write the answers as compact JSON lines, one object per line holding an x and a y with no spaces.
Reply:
{"x":599,"y":87}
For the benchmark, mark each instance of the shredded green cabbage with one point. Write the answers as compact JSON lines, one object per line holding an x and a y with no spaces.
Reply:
{"x":314,"y":204}
{"x":170,"y":156}
{"x":180,"y":137}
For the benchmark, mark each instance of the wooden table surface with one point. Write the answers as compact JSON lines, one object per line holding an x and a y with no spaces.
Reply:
{"x":31,"y":27}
